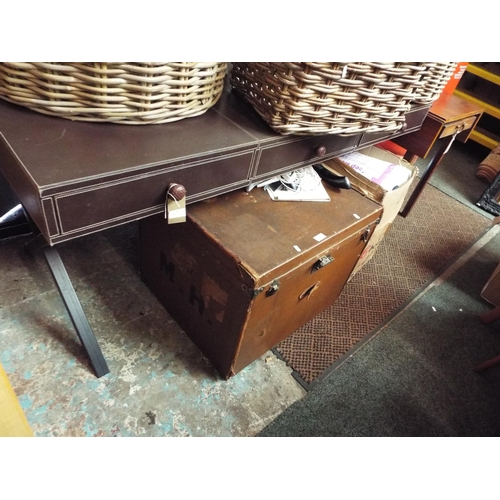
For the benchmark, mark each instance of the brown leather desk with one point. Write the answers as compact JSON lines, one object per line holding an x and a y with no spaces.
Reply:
{"x":76,"y":178}
{"x":449,"y":118}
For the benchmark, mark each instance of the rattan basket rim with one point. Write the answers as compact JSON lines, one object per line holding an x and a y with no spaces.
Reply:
{"x":127,"y":93}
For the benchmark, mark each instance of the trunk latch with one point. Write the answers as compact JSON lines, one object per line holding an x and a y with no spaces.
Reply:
{"x":275,"y":285}
{"x":322,"y":262}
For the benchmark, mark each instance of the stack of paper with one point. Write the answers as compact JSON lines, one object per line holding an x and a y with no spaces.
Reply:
{"x":388,"y":175}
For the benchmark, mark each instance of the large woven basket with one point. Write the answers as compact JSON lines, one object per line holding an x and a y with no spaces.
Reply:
{"x":344,"y":98}
{"x":119,"y":92}
{"x":437,"y":76}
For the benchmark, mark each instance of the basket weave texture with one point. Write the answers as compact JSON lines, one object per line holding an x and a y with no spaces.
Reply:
{"x":437,"y":76}
{"x":345,"y":98}
{"x":119,"y":92}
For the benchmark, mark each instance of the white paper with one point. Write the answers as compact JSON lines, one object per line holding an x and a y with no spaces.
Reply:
{"x":386,"y":174}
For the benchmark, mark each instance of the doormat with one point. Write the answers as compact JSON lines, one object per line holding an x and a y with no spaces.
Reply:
{"x":414,"y":251}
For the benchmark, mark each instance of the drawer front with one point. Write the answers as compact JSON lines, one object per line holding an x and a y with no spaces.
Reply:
{"x":458,"y":126}
{"x":302,"y":152}
{"x":144,"y":195}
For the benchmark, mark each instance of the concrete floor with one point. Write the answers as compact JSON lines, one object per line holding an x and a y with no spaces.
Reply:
{"x":160,"y":384}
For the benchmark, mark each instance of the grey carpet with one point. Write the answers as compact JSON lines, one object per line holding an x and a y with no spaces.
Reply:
{"x":415,"y":377}
{"x":456,"y":174}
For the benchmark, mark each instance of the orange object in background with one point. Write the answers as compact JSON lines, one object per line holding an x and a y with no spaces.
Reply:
{"x":450,"y":87}
{"x":392,"y":148}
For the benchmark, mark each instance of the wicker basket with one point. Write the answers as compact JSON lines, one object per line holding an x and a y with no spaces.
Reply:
{"x":128,"y":93}
{"x":437,"y":76}
{"x":330,"y":98}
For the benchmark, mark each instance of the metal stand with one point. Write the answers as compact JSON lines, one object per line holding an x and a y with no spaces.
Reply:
{"x":75,"y":311}
{"x":14,"y":223}
{"x":70,"y":299}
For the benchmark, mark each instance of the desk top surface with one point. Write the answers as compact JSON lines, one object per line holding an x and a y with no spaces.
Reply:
{"x":57,"y":150}
{"x":76,"y":177}
{"x":449,"y":108}
{"x":54,"y":150}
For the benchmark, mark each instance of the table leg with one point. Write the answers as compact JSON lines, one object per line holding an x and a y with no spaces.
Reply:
{"x":75,"y":311}
{"x":434,"y":162}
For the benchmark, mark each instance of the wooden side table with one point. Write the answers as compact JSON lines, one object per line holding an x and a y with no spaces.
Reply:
{"x":449,"y":118}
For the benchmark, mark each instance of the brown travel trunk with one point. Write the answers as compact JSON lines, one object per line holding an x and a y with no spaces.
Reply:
{"x":244,"y":272}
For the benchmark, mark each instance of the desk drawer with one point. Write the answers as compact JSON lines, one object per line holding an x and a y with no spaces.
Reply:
{"x":459,"y":125}
{"x":142,"y":195}
{"x":301,"y":152}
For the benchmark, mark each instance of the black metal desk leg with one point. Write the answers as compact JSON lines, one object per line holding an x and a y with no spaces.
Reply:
{"x":75,"y":311}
